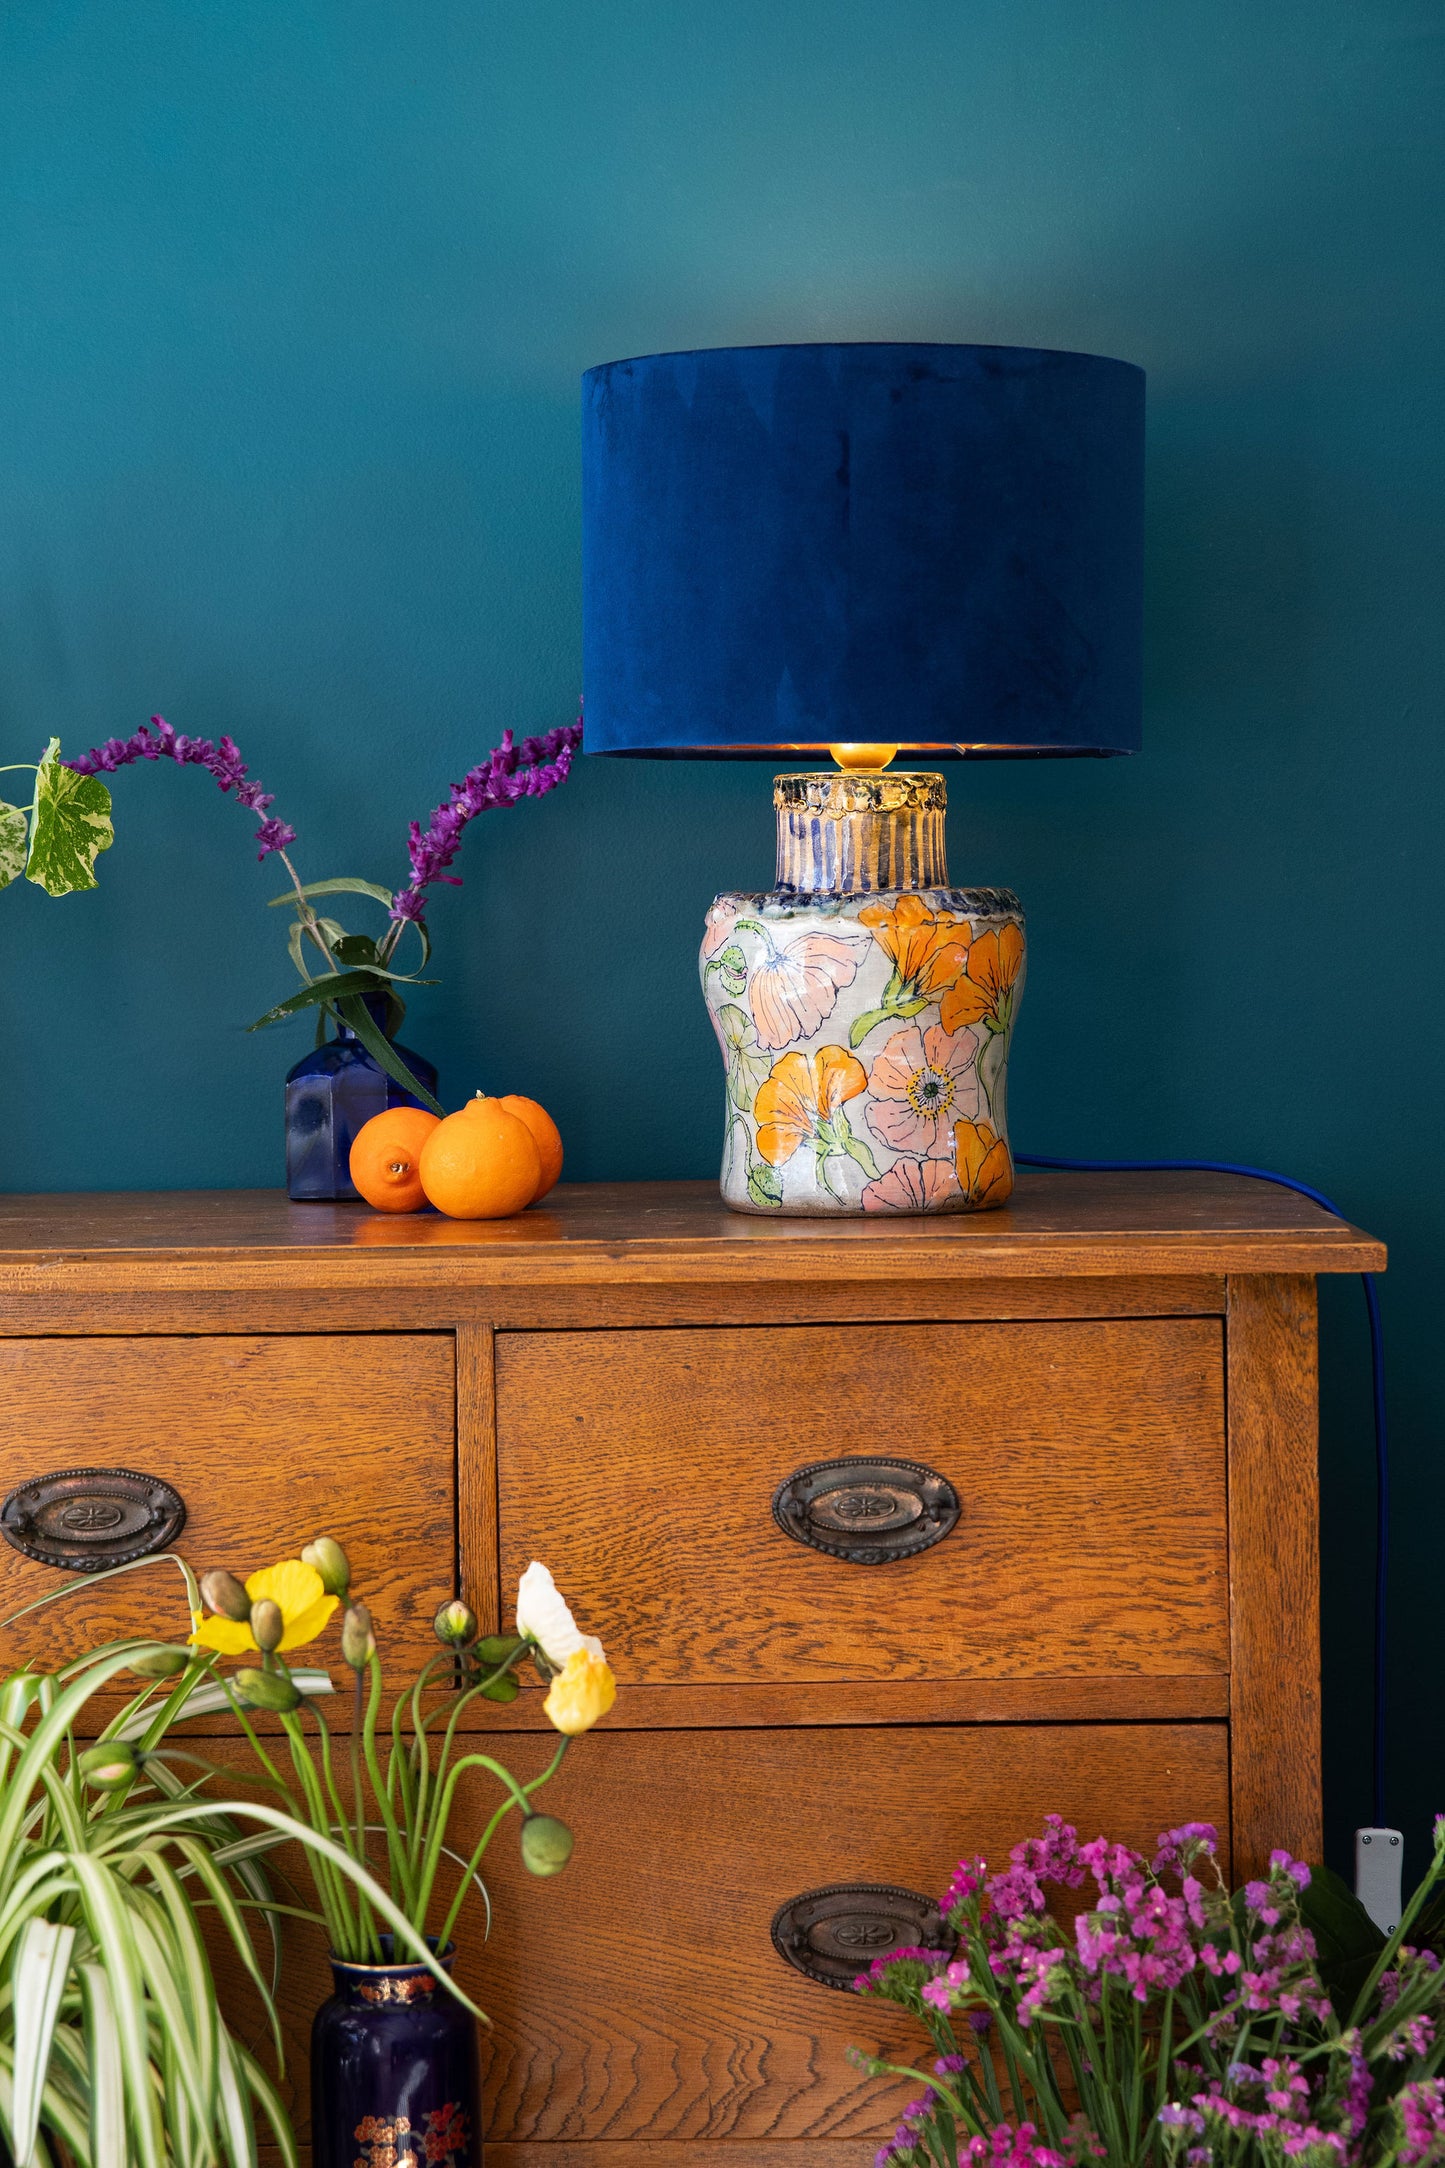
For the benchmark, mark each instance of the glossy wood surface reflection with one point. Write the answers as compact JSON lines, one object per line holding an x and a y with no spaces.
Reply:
{"x":616,"y":1234}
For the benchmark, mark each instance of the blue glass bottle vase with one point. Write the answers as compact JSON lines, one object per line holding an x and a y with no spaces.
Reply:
{"x":332,"y":1094}
{"x":394,"y":2072}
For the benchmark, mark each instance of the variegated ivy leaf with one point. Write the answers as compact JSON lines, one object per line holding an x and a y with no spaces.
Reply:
{"x":14,"y":840}
{"x":69,"y":828}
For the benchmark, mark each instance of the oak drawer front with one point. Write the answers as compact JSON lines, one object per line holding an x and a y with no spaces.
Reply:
{"x":269,"y":1440}
{"x":639,"y":1996}
{"x":1087,"y":1459}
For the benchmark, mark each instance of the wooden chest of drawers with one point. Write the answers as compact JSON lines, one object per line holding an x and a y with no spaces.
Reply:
{"x":1116,"y":1377}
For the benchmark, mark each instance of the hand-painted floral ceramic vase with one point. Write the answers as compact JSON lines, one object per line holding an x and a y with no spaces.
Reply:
{"x":394,"y":2075}
{"x":864,"y":1010}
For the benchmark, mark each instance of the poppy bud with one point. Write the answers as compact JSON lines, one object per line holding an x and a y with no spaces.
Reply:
{"x":160,"y":1662}
{"x":502,"y":1688}
{"x":331,"y":1562}
{"x":266,"y":1690}
{"x":225,"y":1595}
{"x":267,"y":1624}
{"x":546,"y":1844}
{"x":358,"y":1642}
{"x":109,"y":1766}
{"x":455,"y":1625}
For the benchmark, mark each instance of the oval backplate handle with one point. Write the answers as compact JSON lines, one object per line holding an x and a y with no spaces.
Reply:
{"x":868,"y":1511}
{"x":82,"y":1520}
{"x":831,"y":1935}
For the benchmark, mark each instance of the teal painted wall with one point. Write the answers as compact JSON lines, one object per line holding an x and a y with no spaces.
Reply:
{"x":295,"y":301}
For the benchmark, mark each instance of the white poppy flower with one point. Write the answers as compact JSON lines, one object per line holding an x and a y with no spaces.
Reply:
{"x":543,"y":1616}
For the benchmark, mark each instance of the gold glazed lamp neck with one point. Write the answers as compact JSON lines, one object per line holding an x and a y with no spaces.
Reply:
{"x":859,"y":832}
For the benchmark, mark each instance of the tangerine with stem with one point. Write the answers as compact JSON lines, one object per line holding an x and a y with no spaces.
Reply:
{"x":386,"y":1158}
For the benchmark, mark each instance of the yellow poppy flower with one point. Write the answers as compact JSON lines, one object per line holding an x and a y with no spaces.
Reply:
{"x":583,"y":1690}
{"x":305,"y":1607}
{"x":985,"y":992}
{"x":985,"y":1170}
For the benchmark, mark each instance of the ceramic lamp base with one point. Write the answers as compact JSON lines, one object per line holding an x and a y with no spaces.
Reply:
{"x":864,"y":1029}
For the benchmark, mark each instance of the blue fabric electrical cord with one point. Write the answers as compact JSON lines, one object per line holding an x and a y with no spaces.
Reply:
{"x":1377,"y":1379}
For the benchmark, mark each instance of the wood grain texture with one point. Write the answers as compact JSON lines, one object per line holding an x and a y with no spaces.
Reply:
{"x":477,"y":1476}
{"x":270,"y":1441}
{"x":781,"y":1302}
{"x":1144,"y":1698}
{"x":638,"y":1998}
{"x":639,"y":1995}
{"x":619,"y":1233}
{"x":667,"y":2153}
{"x":1274,"y":1579}
{"x":1088,"y":1457}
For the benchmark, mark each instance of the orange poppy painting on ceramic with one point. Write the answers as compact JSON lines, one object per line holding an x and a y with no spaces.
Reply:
{"x":865,"y":1043}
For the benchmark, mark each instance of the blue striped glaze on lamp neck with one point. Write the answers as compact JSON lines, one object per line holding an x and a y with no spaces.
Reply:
{"x":859,"y":834}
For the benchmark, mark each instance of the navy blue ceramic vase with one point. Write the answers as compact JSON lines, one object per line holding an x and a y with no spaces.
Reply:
{"x":329,"y":1096}
{"x":394,"y":2079}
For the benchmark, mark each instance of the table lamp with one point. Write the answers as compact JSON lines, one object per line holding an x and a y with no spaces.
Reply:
{"x":860,"y":551}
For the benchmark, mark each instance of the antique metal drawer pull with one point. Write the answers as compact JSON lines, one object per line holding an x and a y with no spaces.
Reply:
{"x":869,"y":1511}
{"x":833,"y":1934}
{"x":85,"y":1519}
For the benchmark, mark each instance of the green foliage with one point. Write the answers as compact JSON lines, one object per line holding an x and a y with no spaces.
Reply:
{"x":358,"y":967}
{"x":14,"y":843}
{"x":113,"y":2049}
{"x":109,"y":2029}
{"x":70,"y":826}
{"x":57,"y":839}
{"x":1347,"y":1941}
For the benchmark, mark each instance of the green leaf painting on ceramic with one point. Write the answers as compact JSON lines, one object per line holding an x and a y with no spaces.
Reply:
{"x":732,"y":970}
{"x":747,"y":1065}
{"x":70,"y":826}
{"x":765,"y":1185}
{"x":14,"y":843}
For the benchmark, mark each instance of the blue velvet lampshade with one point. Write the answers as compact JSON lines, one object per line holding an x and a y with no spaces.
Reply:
{"x":790,"y":546}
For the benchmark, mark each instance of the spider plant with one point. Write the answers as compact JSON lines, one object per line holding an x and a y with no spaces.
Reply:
{"x":113,"y":2050}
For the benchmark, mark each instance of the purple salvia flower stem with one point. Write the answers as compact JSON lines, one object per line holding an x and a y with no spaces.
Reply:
{"x":157,"y":741}
{"x":512,"y":771}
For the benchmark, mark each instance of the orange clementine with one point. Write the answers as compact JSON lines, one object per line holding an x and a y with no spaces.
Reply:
{"x":546,"y":1134}
{"x":482,"y":1163}
{"x":384,"y":1156}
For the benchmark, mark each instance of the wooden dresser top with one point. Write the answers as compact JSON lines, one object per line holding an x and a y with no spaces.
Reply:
{"x":600,"y":1233}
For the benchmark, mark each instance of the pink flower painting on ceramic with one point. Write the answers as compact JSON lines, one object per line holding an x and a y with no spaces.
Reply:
{"x":864,"y":1033}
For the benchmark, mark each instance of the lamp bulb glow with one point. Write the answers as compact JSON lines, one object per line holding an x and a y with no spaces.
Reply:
{"x":863,"y":759}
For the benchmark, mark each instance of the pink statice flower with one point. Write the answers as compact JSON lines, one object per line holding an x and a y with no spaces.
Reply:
{"x":1009,"y":2148}
{"x":1415,"y":2037}
{"x":1180,"y":1849}
{"x":1421,"y":2109}
{"x":969,"y":1877}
